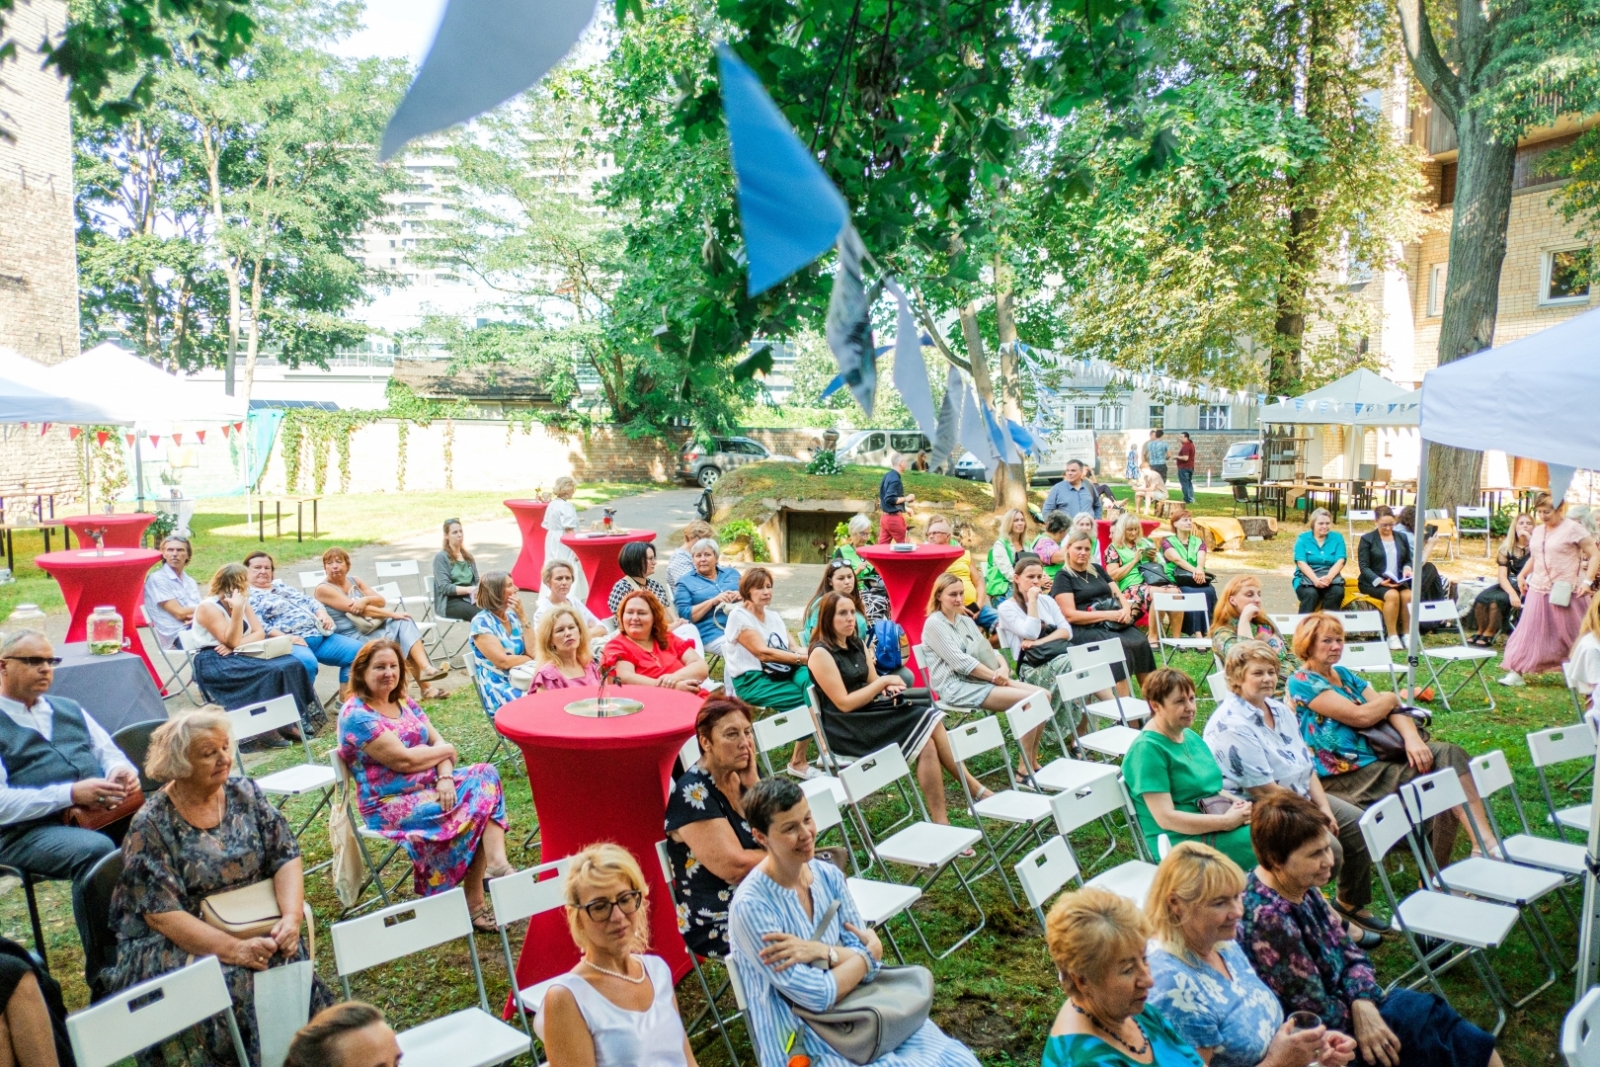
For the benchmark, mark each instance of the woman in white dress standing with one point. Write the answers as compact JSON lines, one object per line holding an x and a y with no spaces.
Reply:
{"x":561,"y":518}
{"x":616,"y":1008}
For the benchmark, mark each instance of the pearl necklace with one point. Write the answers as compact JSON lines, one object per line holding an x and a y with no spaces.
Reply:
{"x":1098,"y":1025}
{"x":616,"y":974}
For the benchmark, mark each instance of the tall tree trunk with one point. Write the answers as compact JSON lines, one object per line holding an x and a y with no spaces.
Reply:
{"x":253,"y":344}
{"x":1009,"y":489}
{"x":1289,"y":327}
{"x":1015,"y":490}
{"x":231,"y":265}
{"x":1484,"y":173}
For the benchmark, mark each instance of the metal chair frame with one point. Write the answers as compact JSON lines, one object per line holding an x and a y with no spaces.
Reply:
{"x":665,"y":859}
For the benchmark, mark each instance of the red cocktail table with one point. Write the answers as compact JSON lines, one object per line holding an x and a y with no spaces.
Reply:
{"x":908,"y":579}
{"x":1102,"y":532}
{"x":600,"y":780}
{"x":116,"y":531}
{"x":529,"y":568}
{"x":597,"y":555}
{"x":89,"y":579}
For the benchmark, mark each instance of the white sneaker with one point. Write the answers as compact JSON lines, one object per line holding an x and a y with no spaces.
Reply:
{"x":1512,"y":678}
{"x":1395,"y":644}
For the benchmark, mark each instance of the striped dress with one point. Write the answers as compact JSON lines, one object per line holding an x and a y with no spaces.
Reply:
{"x":760,"y":907}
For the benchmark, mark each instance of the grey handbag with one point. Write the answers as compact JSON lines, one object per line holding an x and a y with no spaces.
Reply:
{"x":876,"y":1017}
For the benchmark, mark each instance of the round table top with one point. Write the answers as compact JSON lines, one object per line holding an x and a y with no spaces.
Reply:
{"x":600,"y":539}
{"x":140,"y":519}
{"x":541,"y":717}
{"x":90,"y":559}
{"x":931,"y":553}
{"x":528,"y":503}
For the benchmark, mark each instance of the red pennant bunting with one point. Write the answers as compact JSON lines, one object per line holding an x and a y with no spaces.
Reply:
{"x":44,"y":429}
{"x":227,"y":429}
{"x":155,"y":440}
{"x":238,"y":427}
{"x":74,"y":431}
{"x":177,"y":439}
{"x":202,"y":435}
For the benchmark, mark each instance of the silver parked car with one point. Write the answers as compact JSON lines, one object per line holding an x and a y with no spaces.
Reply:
{"x":704,"y":462}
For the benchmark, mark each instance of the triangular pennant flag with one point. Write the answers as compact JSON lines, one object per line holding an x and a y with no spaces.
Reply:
{"x":128,"y":437}
{"x":788,"y":209}
{"x":974,"y":436}
{"x":227,"y":428}
{"x":73,"y":432}
{"x":202,"y":435}
{"x":949,"y":428}
{"x":833,"y":387}
{"x":1560,"y":480}
{"x":44,"y":428}
{"x":177,"y":439}
{"x":1021,"y":435}
{"x":238,"y":427}
{"x":910,"y":372}
{"x":155,"y":440}
{"x":849,"y":324}
{"x":485,"y":52}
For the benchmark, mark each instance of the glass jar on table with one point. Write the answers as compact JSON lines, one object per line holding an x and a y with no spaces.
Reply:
{"x":105,"y":631}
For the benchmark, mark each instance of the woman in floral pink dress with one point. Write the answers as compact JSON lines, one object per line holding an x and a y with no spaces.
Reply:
{"x":562,"y":652}
{"x":451,"y":821}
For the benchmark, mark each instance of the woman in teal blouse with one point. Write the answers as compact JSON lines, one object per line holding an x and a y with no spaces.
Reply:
{"x":1319,"y":559}
{"x":1170,"y":770}
{"x":1097,"y":942}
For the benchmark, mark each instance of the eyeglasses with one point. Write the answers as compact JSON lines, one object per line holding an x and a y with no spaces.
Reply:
{"x":600,"y":910}
{"x":36,"y":661}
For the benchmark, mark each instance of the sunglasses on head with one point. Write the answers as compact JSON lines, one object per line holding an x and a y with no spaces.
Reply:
{"x":36,"y":661}
{"x":600,"y":910}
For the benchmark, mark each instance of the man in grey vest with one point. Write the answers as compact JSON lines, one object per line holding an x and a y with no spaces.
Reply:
{"x":53,"y":755}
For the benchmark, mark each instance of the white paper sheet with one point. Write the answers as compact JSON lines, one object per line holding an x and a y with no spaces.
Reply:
{"x":283,"y":1004}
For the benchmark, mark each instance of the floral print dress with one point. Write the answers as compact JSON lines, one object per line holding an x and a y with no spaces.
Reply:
{"x":494,"y":684}
{"x":702,"y":896}
{"x":171,"y":865}
{"x":405,"y":807}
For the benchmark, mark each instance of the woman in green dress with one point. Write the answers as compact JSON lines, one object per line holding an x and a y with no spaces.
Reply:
{"x":1002,"y":562}
{"x":1097,"y":942}
{"x":1170,"y":771}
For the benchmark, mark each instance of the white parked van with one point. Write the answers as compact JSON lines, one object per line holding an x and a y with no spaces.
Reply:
{"x":872,"y":448}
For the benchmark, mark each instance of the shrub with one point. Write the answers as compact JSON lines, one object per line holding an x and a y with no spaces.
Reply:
{"x":826,"y":461}
{"x":746,"y":530}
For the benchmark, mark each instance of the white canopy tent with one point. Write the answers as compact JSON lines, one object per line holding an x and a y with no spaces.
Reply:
{"x":1360,"y":398}
{"x":1485,"y":401}
{"x":154,"y":400}
{"x":22,"y":403}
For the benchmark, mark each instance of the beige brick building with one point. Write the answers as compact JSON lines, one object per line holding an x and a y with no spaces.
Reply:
{"x":38,"y":252}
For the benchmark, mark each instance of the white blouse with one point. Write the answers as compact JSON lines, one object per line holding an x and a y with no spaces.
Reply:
{"x":624,"y":1038}
{"x":1016,"y":625}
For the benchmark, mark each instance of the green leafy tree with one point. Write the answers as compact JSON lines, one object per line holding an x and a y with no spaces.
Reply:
{"x":1494,"y":70}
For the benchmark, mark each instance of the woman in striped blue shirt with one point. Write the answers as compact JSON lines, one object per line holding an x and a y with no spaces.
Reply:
{"x":778,"y":956}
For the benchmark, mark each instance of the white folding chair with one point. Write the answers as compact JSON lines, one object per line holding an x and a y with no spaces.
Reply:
{"x":878,"y":902}
{"x":1358,"y":623}
{"x":517,"y":898}
{"x":921,"y":655}
{"x":1164,"y":603}
{"x":1436,"y":795}
{"x":689,"y":754}
{"x":1119,"y":709}
{"x":926,"y":846}
{"x":1475,"y":522}
{"x":1078,"y":686}
{"x":783,"y":730}
{"x":310,"y":777}
{"x":1561,"y":744}
{"x":1490,"y":774}
{"x":1476,"y":659}
{"x":1044,"y":871}
{"x":1355,"y":515}
{"x":181,"y":672}
{"x":1287,"y":624}
{"x":1465,"y":928}
{"x":1218,"y":684}
{"x":364,"y":833}
{"x":471,"y":1037}
{"x":124,"y":1023}
{"x":312,"y":579}
{"x":1099,"y":800}
{"x":1366,"y":657}
{"x":1060,"y":773}
{"x":1580,"y":1033}
{"x":1021,"y":812}
{"x":664,"y":858}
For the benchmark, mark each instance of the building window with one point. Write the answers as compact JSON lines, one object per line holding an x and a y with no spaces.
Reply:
{"x":1083,"y":417}
{"x":1214,"y":416}
{"x":1098,"y":417}
{"x":1158,"y":416}
{"x":1436,"y":279}
{"x":1565,"y":278}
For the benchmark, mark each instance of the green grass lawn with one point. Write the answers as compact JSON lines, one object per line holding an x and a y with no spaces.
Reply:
{"x":221,"y":534}
{"x":998,"y":993}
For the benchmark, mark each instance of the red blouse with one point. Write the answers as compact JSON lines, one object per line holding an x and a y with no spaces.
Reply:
{"x":652,"y":662}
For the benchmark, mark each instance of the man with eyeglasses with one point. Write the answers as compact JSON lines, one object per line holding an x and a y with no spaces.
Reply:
{"x":53,"y":756}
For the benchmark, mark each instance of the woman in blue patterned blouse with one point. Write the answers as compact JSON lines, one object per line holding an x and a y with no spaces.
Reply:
{"x":1204,"y":984}
{"x":1300,"y":950}
{"x":780,"y":956}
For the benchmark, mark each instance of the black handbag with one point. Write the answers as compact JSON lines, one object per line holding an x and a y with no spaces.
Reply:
{"x":1153,"y":574}
{"x":1386,"y":742}
{"x":1042,"y":653}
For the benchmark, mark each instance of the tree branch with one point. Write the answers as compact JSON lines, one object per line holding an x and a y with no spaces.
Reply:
{"x":938,"y":338}
{"x":1427,"y":63}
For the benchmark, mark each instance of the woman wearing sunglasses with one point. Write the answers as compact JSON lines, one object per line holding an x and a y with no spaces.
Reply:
{"x":616,"y":1008}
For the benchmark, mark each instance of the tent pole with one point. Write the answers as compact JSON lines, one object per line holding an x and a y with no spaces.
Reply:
{"x":138,"y":470}
{"x":1419,"y":542}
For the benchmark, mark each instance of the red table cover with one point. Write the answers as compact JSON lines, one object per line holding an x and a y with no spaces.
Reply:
{"x":1102,"y":531}
{"x":89,"y":579}
{"x":600,"y":780}
{"x":117,"y":531}
{"x":908,"y":579}
{"x":597,"y":554}
{"x":529,"y":568}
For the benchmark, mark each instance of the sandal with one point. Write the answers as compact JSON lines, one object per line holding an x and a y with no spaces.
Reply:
{"x":1362,"y":918}
{"x":983,"y":794}
{"x":483,"y":920}
{"x":435,"y":674}
{"x":433,"y":692}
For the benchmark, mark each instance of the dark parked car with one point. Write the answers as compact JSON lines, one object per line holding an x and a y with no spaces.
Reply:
{"x":704,"y":462}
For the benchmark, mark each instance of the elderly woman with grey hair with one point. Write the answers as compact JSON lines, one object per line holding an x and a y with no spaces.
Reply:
{"x":874,"y":598}
{"x":1319,"y":558}
{"x":201,"y":834}
{"x":706,"y":594}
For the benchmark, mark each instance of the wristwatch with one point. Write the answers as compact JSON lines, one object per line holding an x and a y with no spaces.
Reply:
{"x":833,"y":957}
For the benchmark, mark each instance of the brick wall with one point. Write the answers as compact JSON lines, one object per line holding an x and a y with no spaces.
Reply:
{"x":38,"y":257}
{"x":31,"y":464}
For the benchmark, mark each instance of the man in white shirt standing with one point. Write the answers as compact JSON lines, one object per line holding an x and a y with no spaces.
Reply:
{"x":53,"y":756}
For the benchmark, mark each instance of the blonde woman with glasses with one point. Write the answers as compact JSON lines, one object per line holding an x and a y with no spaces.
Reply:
{"x":616,"y":1008}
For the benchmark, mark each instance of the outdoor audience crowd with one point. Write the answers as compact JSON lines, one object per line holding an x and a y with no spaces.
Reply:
{"x":1236,"y":955}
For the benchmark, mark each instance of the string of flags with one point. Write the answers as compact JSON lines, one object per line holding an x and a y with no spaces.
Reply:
{"x":102,"y":436}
